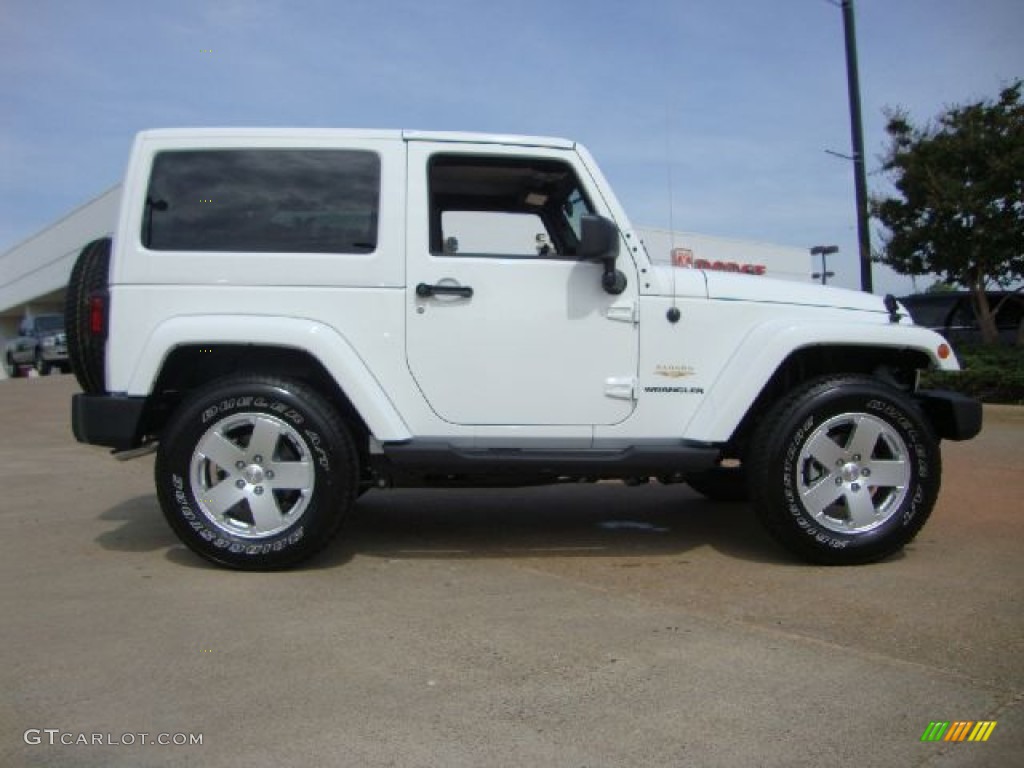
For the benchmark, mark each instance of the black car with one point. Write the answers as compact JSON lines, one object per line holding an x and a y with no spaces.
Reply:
{"x":952,"y":314}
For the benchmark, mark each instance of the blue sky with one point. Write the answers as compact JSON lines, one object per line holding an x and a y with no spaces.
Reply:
{"x":740,"y":98}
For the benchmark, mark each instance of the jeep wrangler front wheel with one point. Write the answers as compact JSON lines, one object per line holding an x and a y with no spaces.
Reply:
{"x":844,"y":471}
{"x":256,"y":473}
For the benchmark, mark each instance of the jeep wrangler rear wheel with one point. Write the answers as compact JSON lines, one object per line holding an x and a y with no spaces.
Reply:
{"x":256,"y":473}
{"x":844,"y":471}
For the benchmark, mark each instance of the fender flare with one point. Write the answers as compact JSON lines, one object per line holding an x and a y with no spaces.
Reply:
{"x":325,"y":344}
{"x":767,"y":347}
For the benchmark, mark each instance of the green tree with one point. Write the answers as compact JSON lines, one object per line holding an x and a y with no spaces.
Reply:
{"x":958,"y":207}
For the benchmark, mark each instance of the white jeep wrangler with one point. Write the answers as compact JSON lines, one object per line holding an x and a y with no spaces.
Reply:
{"x":293,"y":317}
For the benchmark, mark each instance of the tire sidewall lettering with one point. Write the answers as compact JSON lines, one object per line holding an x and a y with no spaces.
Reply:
{"x":912,"y":509}
{"x":789,"y":470}
{"x":232,"y":404}
{"x":234,"y":545}
{"x":898,"y":418}
{"x":316,"y":444}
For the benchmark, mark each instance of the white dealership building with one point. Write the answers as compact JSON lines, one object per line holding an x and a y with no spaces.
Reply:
{"x":34,"y":273}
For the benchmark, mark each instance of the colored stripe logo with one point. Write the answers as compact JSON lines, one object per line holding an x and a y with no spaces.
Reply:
{"x":959,"y":730}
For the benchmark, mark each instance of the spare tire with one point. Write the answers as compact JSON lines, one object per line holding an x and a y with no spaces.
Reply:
{"x":86,"y":350}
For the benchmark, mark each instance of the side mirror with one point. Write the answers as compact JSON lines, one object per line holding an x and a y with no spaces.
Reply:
{"x":599,"y":242}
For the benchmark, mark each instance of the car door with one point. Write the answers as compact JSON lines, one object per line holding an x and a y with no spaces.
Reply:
{"x":505,"y":326}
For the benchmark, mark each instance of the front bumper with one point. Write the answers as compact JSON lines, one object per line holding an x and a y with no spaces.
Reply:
{"x":58,"y":354}
{"x":953,"y":415}
{"x":53,"y":348}
{"x":110,"y":420}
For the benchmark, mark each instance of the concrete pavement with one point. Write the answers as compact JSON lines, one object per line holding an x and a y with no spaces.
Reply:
{"x":565,"y":626}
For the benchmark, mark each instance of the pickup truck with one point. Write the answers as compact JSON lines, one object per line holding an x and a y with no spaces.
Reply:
{"x":291,"y":318}
{"x":41,"y":342}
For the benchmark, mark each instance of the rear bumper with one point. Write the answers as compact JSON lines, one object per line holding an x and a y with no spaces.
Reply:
{"x":110,"y":420}
{"x":953,"y":415}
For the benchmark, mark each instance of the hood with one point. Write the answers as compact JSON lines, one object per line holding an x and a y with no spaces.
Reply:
{"x":727,"y":286}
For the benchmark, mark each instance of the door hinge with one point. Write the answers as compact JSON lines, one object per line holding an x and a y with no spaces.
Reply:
{"x":624,"y":312}
{"x":620,"y":387}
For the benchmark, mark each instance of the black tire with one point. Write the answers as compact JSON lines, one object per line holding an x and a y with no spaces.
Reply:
{"x":237,"y":514}
{"x":11,"y":367}
{"x":727,"y":484}
{"x":813,"y":460}
{"x":42,"y":367}
{"x":86,"y":351}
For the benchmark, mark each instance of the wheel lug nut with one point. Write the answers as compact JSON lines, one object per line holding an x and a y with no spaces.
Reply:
{"x":839,"y":481}
{"x":856,"y":457}
{"x":270,"y":474}
{"x":866,"y":472}
{"x":240,"y":484}
{"x":855,"y":487}
{"x":257,"y":459}
{"x":258,"y":490}
{"x":239,"y":464}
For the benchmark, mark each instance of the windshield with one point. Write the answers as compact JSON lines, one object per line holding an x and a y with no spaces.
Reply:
{"x":46,"y":323}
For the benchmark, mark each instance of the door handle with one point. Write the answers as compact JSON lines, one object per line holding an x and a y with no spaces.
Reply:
{"x":425,"y":290}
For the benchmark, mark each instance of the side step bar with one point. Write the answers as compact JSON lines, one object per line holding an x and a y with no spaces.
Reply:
{"x":626,"y":462}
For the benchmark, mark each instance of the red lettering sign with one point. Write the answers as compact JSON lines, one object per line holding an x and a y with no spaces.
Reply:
{"x":683,"y":257}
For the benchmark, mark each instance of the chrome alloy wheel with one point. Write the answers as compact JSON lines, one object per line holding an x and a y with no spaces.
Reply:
{"x":252,"y":475}
{"x":853,"y":473}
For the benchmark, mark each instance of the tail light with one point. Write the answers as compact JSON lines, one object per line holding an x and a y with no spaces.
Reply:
{"x":98,"y":314}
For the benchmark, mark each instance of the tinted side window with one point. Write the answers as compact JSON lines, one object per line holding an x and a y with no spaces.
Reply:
{"x":930,"y":311}
{"x":1010,"y":313}
{"x":263,"y":200}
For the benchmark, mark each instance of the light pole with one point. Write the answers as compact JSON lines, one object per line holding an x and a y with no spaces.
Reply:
{"x":824,"y":251}
{"x":857,"y":134}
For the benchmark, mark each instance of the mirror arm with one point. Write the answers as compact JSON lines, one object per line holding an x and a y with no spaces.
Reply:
{"x":613,"y":281}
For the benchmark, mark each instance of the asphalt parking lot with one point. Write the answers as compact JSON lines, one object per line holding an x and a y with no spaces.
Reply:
{"x":572,"y":626}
